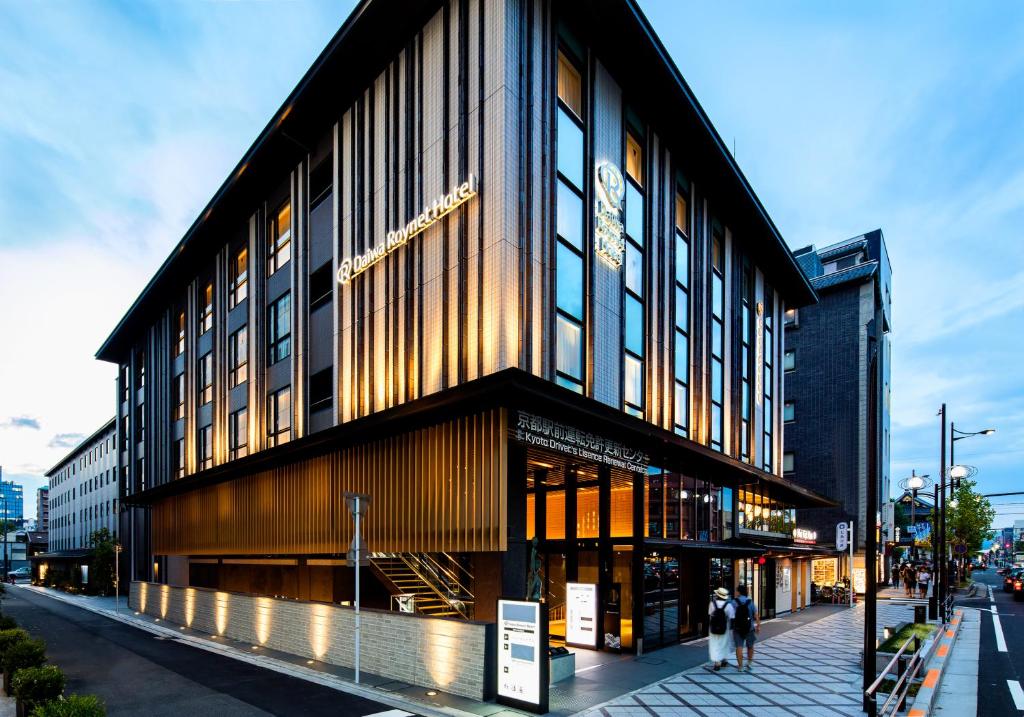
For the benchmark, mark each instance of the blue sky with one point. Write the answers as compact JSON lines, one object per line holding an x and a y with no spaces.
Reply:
{"x":119,"y":120}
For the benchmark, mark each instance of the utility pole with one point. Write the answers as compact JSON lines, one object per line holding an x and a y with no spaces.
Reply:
{"x":871,"y":537}
{"x":941,"y":568}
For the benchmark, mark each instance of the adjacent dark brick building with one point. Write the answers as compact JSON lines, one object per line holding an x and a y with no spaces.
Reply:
{"x":829,"y":384}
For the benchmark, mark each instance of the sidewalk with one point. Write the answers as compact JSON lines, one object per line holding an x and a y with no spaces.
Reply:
{"x":958,"y":691}
{"x":813,"y":671}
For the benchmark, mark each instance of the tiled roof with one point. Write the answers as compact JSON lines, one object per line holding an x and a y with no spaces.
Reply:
{"x":861,"y":271}
{"x":844,"y":247}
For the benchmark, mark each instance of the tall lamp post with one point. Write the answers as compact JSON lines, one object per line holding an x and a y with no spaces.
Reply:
{"x":956,"y":474}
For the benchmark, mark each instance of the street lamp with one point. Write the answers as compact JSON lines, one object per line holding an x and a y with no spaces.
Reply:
{"x":914,"y":483}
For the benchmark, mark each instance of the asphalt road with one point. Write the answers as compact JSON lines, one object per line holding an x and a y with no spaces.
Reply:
{"x":999,"y":669}
{"x":138,"y":673}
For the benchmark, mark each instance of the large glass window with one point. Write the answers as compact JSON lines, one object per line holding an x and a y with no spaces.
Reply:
{"x":238,"y":433}
{"x":717,"y":338}
{"x":204,"y":379}
{"x":238,"y":357}
{"x":633,"y":306}
{"x":279,"y":329}
{"x":279,"y":416}
{"x":279,"y":238}
{"x":681,"y":403}
{"x":206,"y":317}
{"x":205,"y":448}
{"x":746,"y":359}
{"x":569,"y":219}
{"x":178,"y":397}
{"x":239,"y":278}
{"x":179,"y":344}
{"x":768,"y":415}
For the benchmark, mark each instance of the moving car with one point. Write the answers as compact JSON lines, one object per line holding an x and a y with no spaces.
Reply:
{"x":22,"y":573}
{"x":1018,"y":587}
{"x":1009,"y":577}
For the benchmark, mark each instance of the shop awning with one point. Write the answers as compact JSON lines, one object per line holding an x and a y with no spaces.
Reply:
{"x":732,"y":547}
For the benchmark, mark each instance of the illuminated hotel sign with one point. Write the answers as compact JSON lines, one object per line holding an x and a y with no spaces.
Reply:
{"x":439,"y":208}
{"x":545,"y":433}
{"x":803,"y":535}
{"x":608,"y":242}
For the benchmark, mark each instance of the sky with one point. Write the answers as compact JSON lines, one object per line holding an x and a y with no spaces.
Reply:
{"x":118,"y":121}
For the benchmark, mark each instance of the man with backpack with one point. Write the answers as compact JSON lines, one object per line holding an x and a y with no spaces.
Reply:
{"x":745,"y":624}
{"x":720,"y":610}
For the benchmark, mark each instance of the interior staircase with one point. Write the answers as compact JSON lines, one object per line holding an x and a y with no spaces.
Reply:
{"x":436,"y":582}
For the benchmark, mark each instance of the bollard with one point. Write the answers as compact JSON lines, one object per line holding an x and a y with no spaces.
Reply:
{"x":920,"y":614}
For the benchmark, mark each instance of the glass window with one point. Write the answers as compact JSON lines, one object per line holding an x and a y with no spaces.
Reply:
{"x":239,"y":278}
{"x":570,"y":148}
{"x":238,"y":357}
{"x":789,"y":361}
{"x":279,"y":329}
{"x":570,"y":216}
{"x":787,"y":462}
{"x":634,"y":269}
{"x":179,"y":345}
{"x":634,"y":380}
{"x":279,"y":416}
{"x":716,"y":253}
{"x":205,"y":448}
{"x":634,"y":326}
{"x":790,"y":317}
{"x":682,"y":357}
{"x":716,"y":380}
{"x":206,"y":318}
{"x":634,"y":213}
{"x":634,"y":159}
{"x":716,"y":339}
{"x":569,"y":349}
{"x":570,"y":86}
{"x":279,"y":237}
{"x":205,"y":379}
{"x":238,"y":433}
{"x":717,"y":296}
{"x":680,"y":405}
{"x":569,"y":273}
{"x":682,"y":214}
{"x":788,"y":411}
{"x":682,"y":260}
{"x":178,"y":397}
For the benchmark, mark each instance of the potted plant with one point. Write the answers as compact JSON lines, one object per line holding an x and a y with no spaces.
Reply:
{"x":35,"y":686}
{"x":22,"y":654}
{"x":73,"y":706}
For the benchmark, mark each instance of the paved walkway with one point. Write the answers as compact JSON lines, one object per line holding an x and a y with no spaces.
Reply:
{"x":812,"y":671}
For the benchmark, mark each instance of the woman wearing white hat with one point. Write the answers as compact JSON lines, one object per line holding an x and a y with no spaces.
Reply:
{"x":721,"y":611}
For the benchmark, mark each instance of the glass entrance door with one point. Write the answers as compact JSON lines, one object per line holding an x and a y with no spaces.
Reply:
{"x":661,"y":599}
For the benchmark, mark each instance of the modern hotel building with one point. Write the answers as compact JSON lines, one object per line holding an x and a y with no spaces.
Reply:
{"x":491,"y":265}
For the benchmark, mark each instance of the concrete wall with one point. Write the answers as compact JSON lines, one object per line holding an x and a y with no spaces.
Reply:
{"x":447,"y":654}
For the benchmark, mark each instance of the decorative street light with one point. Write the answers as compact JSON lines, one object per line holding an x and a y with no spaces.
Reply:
{"x":914,"y":483}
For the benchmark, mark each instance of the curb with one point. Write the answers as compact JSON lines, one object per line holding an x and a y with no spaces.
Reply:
{"x":264,"y":661}
{"x":924,"y":702}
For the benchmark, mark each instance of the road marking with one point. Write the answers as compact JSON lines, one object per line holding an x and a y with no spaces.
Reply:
{"x":391,"y":713}
{"x":1017,"y":693}
{"x":991,"y":594}
{"x":1000,"y":640}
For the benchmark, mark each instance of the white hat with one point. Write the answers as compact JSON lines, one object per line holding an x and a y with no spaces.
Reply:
{"x":722,"y":593}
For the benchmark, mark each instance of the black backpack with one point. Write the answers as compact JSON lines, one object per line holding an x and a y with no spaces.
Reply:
{"x":718,"y":619}
{"x":741,"y":623}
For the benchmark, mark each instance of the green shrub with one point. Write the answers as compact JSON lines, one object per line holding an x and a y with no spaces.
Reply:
{"x":7,"y":623}
{"x":8,"y":638}
{"x":73,"y":706}
{"x":36,"y":685}
{"x":22,"y":654}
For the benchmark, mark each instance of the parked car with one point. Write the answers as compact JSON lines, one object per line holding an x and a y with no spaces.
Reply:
{"x":21,"y":573}
{"x":1008,"y":579}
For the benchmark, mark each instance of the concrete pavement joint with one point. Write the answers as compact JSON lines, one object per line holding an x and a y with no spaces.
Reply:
{"x":269,"y":663}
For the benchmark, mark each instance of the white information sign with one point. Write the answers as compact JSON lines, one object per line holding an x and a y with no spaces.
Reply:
{"x":522,"y":655}
{"x":581,"y":614}
{"x":842,"y":537}
{"x":859,"y":580}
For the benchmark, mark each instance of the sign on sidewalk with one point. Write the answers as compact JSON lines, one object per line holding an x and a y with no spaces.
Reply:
{"x":842,"y":536}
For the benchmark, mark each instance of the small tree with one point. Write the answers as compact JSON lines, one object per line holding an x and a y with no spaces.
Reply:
{"x":35,"y":686}
{"x":101,"y":577}
{"x":971,"y":520}
{"x":22,"y":654}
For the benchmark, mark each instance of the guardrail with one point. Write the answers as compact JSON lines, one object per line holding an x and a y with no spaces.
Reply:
{"x":906,"y":671}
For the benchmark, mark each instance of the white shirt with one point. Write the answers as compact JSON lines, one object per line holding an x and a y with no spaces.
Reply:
{"x":730,"y":609}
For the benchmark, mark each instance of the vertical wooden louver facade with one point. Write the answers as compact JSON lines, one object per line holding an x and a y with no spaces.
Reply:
{"x":440,"y":488}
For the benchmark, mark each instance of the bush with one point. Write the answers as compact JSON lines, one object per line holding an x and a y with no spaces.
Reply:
{"x":73,"y":706}
{"x":20,"y":655}
{"x":8,"y":638}
{"x":7,"y":623}
{"x":36,"y":685}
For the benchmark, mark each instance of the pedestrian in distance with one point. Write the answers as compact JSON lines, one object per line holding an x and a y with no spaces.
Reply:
{"x":909,"y":579}
{"x":721,"y":611}
{"x":746,"y":623}
{"x":924,"y":577}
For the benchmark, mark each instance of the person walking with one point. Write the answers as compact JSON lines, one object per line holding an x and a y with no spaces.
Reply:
{"x":746,"y":622}
{"x":909,"y":578}
{"x":924,"y":576}
{"x":721,"y":611}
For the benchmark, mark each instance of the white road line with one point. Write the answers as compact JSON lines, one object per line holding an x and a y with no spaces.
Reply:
{"x":1000,"y":640}
{"x":402,"y":713}
{"x":1017,"y":693}
{"x":991,"y":594}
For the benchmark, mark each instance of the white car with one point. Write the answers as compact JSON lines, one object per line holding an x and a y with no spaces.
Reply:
{"x":20,"y":573}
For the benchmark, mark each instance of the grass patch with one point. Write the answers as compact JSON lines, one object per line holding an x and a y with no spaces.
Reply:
{"x":896,"y":641}
{"x":887,"y":686}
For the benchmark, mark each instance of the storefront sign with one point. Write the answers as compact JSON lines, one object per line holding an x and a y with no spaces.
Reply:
{"x":545,"y":433}
{"x":803,"y":535}
{"x":522,"y":662}
{"x":608,"y":241}
{"x":581,"y":615}
{"x":842,"y":536}
{"x":352,"y":267}
{"x":859,"y":580}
